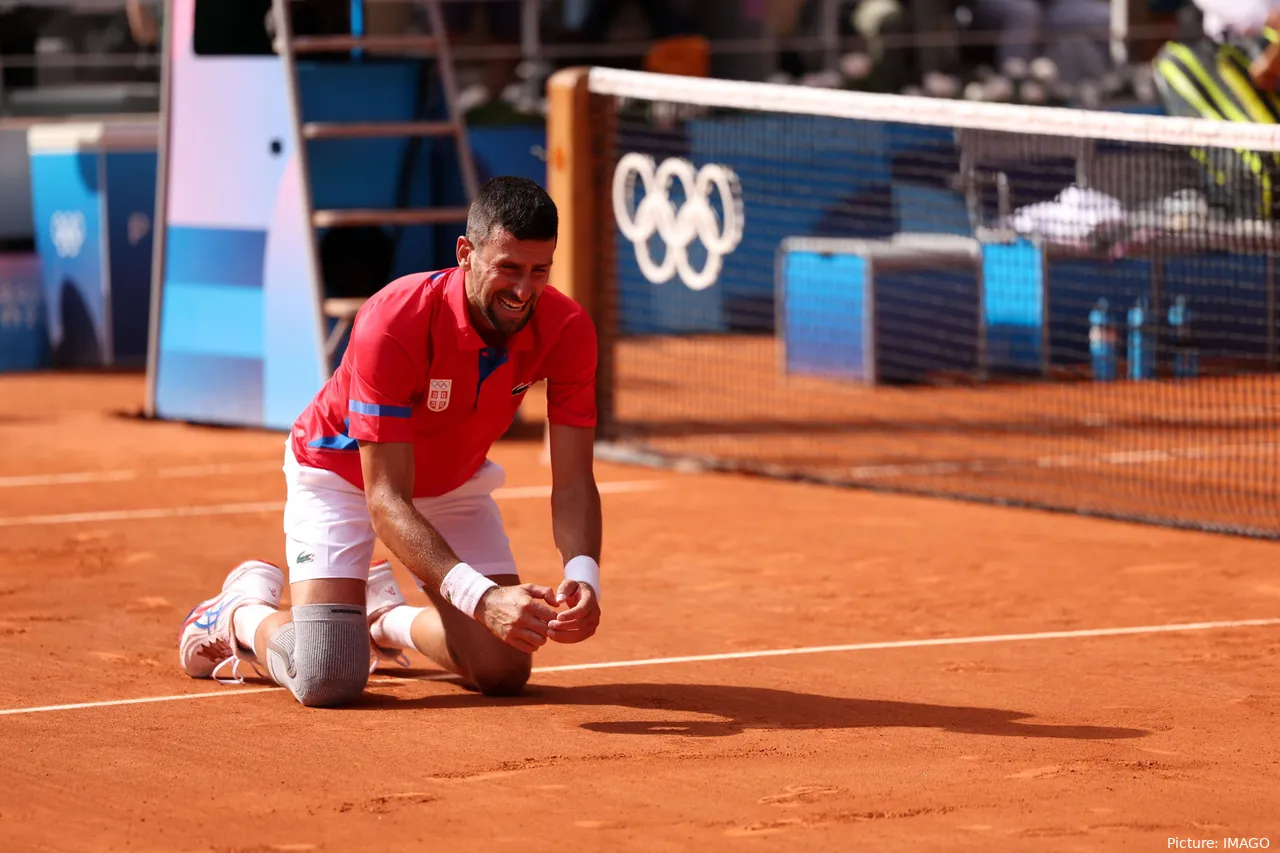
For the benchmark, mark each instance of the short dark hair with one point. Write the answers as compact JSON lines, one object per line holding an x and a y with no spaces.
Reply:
{"x":518,"y":206}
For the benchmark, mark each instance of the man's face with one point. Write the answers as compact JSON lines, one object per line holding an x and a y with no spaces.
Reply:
{"x":505,"y":277}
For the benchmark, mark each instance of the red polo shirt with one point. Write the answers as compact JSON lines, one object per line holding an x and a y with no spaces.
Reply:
{"x":415,"y":370}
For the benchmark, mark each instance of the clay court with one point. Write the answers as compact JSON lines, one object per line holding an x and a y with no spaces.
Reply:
{"x":781,"y":667}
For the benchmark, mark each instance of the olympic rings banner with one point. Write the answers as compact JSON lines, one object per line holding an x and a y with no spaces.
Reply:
{"x":678,"y":226}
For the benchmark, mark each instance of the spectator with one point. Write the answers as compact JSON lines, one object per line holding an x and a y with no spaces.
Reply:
{"x":496,"y":24}
{"x":1230,"y":74}
{"x":18,"y":31}
{"x":1073,"y":33}
{"x":144,"y":22}
{"x":589,"y":21}
{"x":1225,"y":20}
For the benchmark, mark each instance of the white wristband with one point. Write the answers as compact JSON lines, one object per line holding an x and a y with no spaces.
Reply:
{"x":584,"y":569}
{"x":463,"y":587}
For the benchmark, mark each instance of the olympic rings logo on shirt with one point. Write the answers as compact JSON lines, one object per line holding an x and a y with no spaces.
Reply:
{"x":678,"y":227}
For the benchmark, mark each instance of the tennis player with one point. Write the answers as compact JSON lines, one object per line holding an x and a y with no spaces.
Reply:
{"x":394,"y":447}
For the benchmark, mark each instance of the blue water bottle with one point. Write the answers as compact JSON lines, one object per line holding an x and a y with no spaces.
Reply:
{"x":1141,"y":341}
{"x":1186,"y":358}
{"x":1102,"y":342}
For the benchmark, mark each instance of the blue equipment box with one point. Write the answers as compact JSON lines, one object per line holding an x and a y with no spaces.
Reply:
{"x":899,"y":310}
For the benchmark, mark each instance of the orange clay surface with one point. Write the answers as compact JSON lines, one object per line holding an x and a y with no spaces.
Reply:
{"x":1036,"y":743}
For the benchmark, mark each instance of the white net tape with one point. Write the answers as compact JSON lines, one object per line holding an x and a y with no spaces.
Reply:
{"x":934,"y":112}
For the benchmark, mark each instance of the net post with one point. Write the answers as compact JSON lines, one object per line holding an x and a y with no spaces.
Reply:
{"x":571,"y":184}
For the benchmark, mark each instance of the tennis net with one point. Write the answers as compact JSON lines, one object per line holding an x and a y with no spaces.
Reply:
{"x":1053,"y":308}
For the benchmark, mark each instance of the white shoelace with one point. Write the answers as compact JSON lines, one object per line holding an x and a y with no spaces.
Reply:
{"x":389,"y":654}
{"x":236,"y":676}
{"x":380,"y":654}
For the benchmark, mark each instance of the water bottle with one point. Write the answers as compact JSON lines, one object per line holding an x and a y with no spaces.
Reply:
{"x":1141,"y":341}
{"x":1186,"y":358}
{"x":1102,"y":342}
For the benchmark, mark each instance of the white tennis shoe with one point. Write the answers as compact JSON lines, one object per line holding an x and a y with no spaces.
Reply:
{"x":382,"y":593}
{"x":207,"y":641}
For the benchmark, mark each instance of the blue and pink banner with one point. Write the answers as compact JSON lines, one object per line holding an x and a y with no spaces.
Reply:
{"x":238,"y":334}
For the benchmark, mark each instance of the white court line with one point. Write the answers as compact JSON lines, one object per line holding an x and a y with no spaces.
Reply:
{"x":222,"y":468}
{"x":136,"y":474}
{"x":617,"y":487}
{"x":64,"y":479}
{"x":514,"y":493}
{"x":766,"y":653}
{"x":139,"y":514}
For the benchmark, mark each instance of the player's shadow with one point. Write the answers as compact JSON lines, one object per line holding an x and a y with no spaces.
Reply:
{"x":669,"y":708}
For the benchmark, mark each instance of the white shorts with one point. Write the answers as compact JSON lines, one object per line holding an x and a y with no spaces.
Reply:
{"x":328,"y":533}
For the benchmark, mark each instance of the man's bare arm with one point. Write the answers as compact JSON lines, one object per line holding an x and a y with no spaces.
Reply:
{"x":578,"y":527}
{"x":388,"y":487}
{"x":575,"y":499}
{"x":517,"y":615}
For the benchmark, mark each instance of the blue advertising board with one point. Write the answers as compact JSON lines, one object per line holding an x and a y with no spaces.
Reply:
{"x":93,"y":197}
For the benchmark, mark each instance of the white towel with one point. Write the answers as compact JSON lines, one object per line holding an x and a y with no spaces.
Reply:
{"x":1073,"y":215}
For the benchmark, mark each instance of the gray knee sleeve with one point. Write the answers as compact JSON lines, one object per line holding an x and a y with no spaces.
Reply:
{"x":322,"y":656}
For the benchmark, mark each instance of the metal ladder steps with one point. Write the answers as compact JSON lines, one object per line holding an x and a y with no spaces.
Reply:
{"x":415,"y":44}
{"x":379,"y":129}
{"x":355,"y":218}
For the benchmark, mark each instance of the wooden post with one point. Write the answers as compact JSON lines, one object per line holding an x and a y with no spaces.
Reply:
{"x":569,"y":156}
{"x":570,"y":163}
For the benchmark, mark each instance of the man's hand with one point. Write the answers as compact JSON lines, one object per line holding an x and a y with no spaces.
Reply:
{"x":1265,"y":70}
{"x":518,"y":615}
{"x":582,"y":618}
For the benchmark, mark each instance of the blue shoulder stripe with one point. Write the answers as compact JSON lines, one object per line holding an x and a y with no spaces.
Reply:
{"x":379,"y":411}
